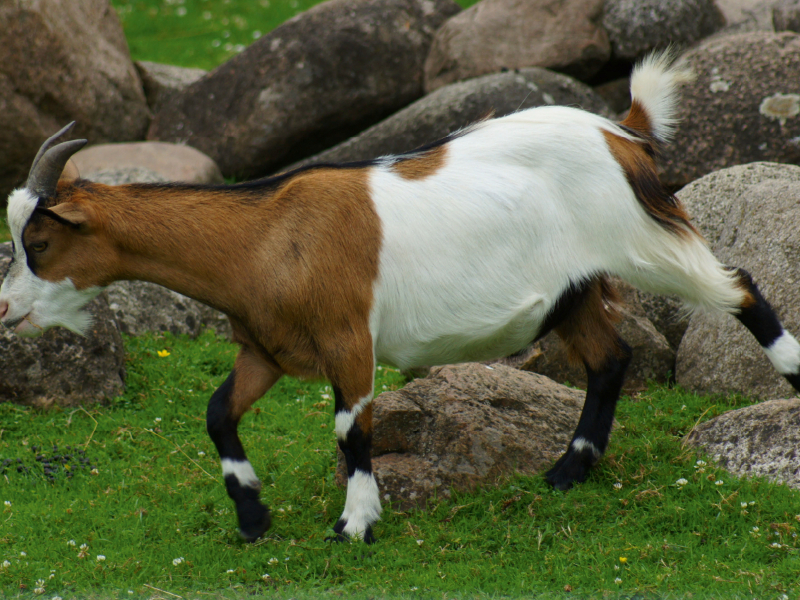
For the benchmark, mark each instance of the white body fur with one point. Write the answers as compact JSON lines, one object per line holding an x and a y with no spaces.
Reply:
{"x":471,"y":264}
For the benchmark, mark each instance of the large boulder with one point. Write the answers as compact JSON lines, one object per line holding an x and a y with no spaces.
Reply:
{"x":761,"y":440}
{"x":140,"y":306}
{"x":455,"y":106}
{"x":162,"y":82}
{"x":61,"y":367}
{"x":751,"y":218}
{"x":635,"y":27}
{"x":63,"y":60}
{"x":114,"y":163}
{"x":742,"y":107}
{"x":316,"y":80}
{"x":465,"y":426}
{"x":493,"y":35}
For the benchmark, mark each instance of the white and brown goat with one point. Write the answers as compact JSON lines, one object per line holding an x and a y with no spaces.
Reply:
{"x":468,"y":249}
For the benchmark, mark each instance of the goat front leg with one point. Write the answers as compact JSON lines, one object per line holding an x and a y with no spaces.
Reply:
{"x":589,"y":335}
{"x":251,"y":377}
{"x":353,"y":394}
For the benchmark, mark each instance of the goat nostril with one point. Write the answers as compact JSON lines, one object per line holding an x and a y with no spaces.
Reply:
{"x":3,"y":309}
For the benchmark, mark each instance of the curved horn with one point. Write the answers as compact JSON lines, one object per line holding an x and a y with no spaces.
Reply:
{"x":49,"y":142}
{"x":49,"y":163}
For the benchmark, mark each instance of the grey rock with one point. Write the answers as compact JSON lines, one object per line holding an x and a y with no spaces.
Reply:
{"x":140,"y":306}
{"x":743,"y":106}
{"x":62,"y":61}
{"x":455,"y":106}
{"x":494,"y":35}
{"x":464,"y":426}
{"x":60,"y":367}
{"x":316,"y":80}
{"x":636,"y":27}
{"x":751,"y":218}
{"x":145,"y":162}
{"x":747,"y":15}
{"x":162,"y":82}
{"x":760,"y":440}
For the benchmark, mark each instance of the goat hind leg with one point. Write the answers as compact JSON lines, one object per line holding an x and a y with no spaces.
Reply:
{"x":250,"y":379}
{"x":760,"y":319}
{"x":589,"y":335}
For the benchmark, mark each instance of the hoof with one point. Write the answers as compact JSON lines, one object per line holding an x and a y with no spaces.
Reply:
{"x":568,"y":470}
{"x":339,"y":535}
{"x":255,"y":523}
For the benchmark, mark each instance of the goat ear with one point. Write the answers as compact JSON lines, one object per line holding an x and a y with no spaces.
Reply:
{"x":70,"y":214}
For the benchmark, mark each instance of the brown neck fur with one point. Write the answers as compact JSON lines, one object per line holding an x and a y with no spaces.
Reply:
{"x":294,"y":264}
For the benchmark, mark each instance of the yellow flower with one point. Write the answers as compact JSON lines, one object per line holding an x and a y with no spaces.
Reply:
{"x":622,"y":560}
{"x":163,"y":353}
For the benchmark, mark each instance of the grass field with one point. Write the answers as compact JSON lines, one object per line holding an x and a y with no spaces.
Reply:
{"x":148,"y":502}
{"x":203,"y":33}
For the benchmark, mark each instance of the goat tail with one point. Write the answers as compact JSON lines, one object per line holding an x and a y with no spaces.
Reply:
{"x":654,"y":95}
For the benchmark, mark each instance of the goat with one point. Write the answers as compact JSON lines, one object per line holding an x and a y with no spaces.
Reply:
{"x":468,"y":249}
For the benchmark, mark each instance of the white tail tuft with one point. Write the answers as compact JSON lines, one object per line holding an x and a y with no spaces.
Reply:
{"x":654,"y":86}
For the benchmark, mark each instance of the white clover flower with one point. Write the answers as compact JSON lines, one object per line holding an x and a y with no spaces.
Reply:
{"x":618,"y":581}
{"x":84,"y":547}
{"x":6,"y":564}
{"x":177,"y":561}
{"x":56,"y":598}
{"x":95,"y":472}
{"x":7,"y":503}
{"x":100,"y":558}
{"x":230,"y":571}
{"x":618,"y":485}
{"x":273,"y":561}
{"x":701,"y":463}
{"x":265,"y":576}
{"x":201,"y":453}
{"x":743,"y":504}
{"x":755,"y":530}
{"x":326,"y":396}
{"x":181,"y":12}
{"x":216,"y":44}
{"x":616,"y":567}
{"x":681,"y":482}
{"x":71,"y":543}
{"x":207,"y":16}
{"x":774,"y":545}
{"x":157,"y":420}
{"x":419,"y":542}
{"x":23,"y":554}
{"x":239,"y":48}
{"x":718,"y":482}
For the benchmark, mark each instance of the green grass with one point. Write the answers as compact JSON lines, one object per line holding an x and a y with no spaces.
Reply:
{"x":158,"y":495}
{"x":203,"y":33}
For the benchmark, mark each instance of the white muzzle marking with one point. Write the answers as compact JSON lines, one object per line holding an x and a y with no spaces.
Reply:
{"x":36,"y":304}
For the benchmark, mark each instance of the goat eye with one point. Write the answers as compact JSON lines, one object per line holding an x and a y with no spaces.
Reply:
{"x":39,"y":247}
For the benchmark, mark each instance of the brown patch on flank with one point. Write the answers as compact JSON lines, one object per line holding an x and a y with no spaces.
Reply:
{"x":588,"y":330}
{"x":638,"y":119}
{"x":640,"y":170}
{"x":423,"y":165}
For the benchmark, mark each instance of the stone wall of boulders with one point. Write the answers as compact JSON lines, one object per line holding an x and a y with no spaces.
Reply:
{"x":350,"y":80}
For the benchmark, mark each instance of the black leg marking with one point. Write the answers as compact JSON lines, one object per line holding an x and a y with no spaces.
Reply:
{"x":590,"y":439}
{"x":760,"y":319}
{"x":240,"y":481}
